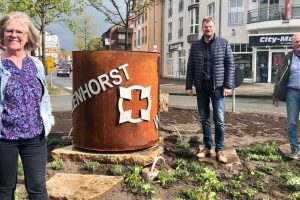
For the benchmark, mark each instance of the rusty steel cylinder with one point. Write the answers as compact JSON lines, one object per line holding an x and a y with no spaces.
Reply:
{"x":115,"y":100}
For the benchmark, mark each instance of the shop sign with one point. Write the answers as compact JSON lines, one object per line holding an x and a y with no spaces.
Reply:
{"x":175,"y":46}
{"x":270,"y":40}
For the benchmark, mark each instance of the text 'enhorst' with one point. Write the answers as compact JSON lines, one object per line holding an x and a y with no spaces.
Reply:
{"x":101,"y":83}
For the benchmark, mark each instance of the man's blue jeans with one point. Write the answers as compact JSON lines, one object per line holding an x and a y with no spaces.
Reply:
{"x":293,"y":108}
{"x":33,"y":153}
{"x":216,"y":96}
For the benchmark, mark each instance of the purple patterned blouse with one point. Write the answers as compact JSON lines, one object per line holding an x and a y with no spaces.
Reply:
{"x":21,"y":118}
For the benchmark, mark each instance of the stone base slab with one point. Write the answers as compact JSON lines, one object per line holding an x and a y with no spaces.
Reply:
{"x":142,"y":157}
{"x":78,"y":186}
{"x":232,"y":157}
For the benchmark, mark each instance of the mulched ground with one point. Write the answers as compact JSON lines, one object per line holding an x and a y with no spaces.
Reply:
{"x":243,"y":130}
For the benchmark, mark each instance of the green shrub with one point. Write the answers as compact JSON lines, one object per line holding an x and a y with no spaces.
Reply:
{"x":210,"y":180}
{"x":117,"y":170}
{"x":249,"y":193}
{"x":194,"y":140}
{"x":235,"y":184}
{"x":148,"y":189}
{"x":133,"y":178}
{"x":295,"y":196}
{"x":182,"y":173}
{"x":234,"y":194}
{"x":199,"y":194}
{"x":266,"y":168}
{"x":185,"y":149}
{"x":166,"y":178}
{"x":294,"y":183}
{"x":57,"y":164}
{"x":195,"y":167}
{"x":179,"y":163}
{"x":92,"y":166}
{"x":192,"y":193}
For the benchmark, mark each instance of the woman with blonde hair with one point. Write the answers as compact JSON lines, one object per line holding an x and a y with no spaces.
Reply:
{"x":25,"y":109}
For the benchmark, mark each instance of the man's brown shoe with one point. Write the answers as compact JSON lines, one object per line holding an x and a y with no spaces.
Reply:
{"x":221,"y":157}
{"x":204,"y":153}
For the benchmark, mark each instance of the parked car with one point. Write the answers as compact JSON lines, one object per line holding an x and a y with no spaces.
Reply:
{"x":63,"y":70}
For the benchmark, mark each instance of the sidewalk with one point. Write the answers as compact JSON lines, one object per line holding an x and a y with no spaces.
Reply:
{"x":259,"y":90}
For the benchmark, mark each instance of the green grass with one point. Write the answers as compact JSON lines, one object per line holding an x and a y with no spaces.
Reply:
{"x":55,"y":90}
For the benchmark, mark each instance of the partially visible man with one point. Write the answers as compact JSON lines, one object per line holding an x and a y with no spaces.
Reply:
{"x":287,"y":88}
{"x":211,"y":69}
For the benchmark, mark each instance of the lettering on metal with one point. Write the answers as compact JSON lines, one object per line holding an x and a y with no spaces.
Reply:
{"x":270,"y":40}
{"x":101,"y":83}
{"x":125,"y":93}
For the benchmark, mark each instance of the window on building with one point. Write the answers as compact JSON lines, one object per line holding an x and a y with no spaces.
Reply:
{"x":169,"y":64}
{"x":211,"y":10}
{"x":180,"y":27}
{"x":170,"y":31}
{"x":139,"y":38}
{"x":194,"y":21}
{"x":146,"y":32}
{"x":194,"y":1}
{"x":134,"y":39}
{"x":181,"y":64}
{"x":237,"y":47}
{"x":138,"y":21}
{"x":142,"y":33}
{"x":121,"y":36}
{"x":145,"y":16}
{"x":180,"y":5}
{"x":244,"y":62}
{"x":242,"y":54}
{"x":236,"y":12}
{"x":170,"y":9}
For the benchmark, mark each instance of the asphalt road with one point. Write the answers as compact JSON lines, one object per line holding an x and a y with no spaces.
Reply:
{"x":264,"y":105}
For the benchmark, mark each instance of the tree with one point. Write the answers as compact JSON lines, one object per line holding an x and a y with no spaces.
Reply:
{"x":95,"y":44}
{"x":44,"y":13}
{"x":84,"y":29}
{"x":122,"y":12}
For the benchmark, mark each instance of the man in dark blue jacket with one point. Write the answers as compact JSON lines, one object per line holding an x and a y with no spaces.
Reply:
{"x":211,"y":70}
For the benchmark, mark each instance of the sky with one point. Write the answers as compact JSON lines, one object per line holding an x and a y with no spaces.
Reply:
{"x":66,"y":37}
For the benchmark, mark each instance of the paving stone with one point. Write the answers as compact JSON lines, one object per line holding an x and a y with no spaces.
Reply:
{"x":78,"y":186}
{"x":142,"y":157}
{"x":232,"y":157}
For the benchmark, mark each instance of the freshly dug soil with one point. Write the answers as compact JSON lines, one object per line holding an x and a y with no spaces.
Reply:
{"x":243,"y":130}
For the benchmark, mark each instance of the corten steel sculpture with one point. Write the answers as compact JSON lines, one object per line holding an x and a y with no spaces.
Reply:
{"x":115,"y":100}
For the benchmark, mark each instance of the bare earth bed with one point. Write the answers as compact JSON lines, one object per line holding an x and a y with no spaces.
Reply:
{"x":263,"y":174}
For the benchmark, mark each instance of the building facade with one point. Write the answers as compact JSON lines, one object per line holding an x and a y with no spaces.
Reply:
{"x":114,"y":38}
{"x":177,"y":32}
{"x":147,"y":30}
{"x":259,"y":32}
{"x":270,"y":26}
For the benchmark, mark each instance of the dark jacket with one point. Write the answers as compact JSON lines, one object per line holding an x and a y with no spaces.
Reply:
{"x":223,"y":64}
{"x":282,"y":78}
